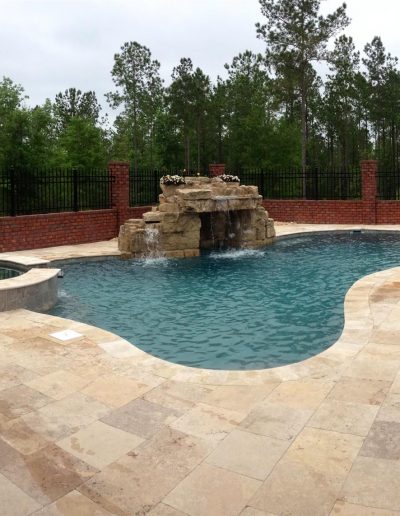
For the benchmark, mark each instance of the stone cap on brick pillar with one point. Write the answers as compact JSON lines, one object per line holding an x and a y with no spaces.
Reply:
{"x":216,"y":169}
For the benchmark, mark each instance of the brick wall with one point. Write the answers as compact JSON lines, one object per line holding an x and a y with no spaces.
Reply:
{"x":365,"y":211}
{"x":36,"y":231}
{"x":52,"y":229}
{"x":316,"y":212}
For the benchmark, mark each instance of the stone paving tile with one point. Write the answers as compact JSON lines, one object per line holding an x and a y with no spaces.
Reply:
{"x":238,"y":397}
{"x":276,"y":420}
{"x":373,"y":482}
{"x":331,"y":453}
{"x":99,"y":444}
{"x":13,"y":501}
{"x":216,"y":491}
{"x":64,"y":417}
{"x":390,"y":409}
{"x":383,"y":441}
{"x":21,"y":400}
{"x":372,"y":368}
{"x":349,"y":509}
{"x":295,"y":489}
{"x":35,"y":474}
{"x":73,"y":504}
{"x":139,"y":481}
{"x":165,"y":510}
{"x":248,"y":454}
{"x":207,"y":422}
{"x":339,"y":416}
{"x":304,"y":394}
{"x":382,"y":336}
{"x":20,"y":436}
{"x":250,"y":511}
{"x":367,"y":391}
{"x":140,"y":417}
{"x":8,"y":454}
{"x":39,"y":362}
{"x":395,"y":388}
{"x":115,"y":391}
{"x":176,"y":395}
{"x":12,"y":375}
{"x":58,"y":385}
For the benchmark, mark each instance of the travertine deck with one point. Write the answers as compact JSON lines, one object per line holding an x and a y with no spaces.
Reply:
{"x":94,"y":426}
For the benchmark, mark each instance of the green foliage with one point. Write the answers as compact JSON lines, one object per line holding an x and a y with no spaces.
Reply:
{"x":271,"y":110}
{"x":139,"y":93}
{"x":296,"y":35}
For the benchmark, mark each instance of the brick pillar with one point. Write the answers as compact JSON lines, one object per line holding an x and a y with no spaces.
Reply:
{"x":120,"y":190}
{"x":216,"y":169}
{"x":369,"y":171}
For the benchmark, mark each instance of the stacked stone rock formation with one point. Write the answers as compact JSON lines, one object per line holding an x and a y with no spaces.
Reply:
{"x":204,"y":213}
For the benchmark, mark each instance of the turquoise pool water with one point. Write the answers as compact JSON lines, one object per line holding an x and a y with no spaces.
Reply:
{"x":229,"y":310}
{"x":6,"y":273}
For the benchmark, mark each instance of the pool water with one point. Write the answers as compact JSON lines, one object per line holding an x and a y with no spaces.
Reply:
{"x":6,"y":273}
{"x":246,"y":309}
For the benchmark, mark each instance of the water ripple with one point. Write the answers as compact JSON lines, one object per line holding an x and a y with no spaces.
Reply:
{"x":238,"y":309}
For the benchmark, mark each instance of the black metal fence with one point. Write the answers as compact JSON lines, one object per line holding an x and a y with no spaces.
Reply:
{"x":27,"y":192}
{"x":272,"y":184}
{"x":388,"y":185}
{"x":144,"y":185}
{"x":314,"y":185}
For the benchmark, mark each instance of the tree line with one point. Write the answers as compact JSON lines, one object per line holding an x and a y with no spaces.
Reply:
{"x":271,"y":110}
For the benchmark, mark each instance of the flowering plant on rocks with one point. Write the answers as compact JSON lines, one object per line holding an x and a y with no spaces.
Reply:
{"x":228,"y":178}
{"x":172,"y":180}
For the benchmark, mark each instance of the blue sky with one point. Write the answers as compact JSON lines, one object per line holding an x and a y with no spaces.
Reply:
{"x":50,"y":45}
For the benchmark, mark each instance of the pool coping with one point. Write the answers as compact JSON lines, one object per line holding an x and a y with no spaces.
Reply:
{"x":352,"y":340}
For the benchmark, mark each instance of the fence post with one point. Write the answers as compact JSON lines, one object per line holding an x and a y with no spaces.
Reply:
{"x":119,"y":174}
{"x":75,"y":200}
{"x":156,"y":184}
{"x":13,"y":210}
{"x":369,"y":171}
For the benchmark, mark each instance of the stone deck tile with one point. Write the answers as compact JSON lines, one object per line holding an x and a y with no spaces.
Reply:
{"x":295,"y":489}
{"x":116,"y":391}
{"x":168,"y":440}
{"x":212,"y":491}
{"x":48,"y":474}
{"x":140,"y":417}
{"x":73,"y":504}
{"x":373,"y":482}
{"x":139,"y":481}
{"x":276,"y":420}
{"x":14,"y":501}
{"x":165,"y":510}
{"x":99,"y":444}
{"x":345,"y":417}
{"x":21,"y":400}
{"x":248,"y":454}
{"x":350,"y":509}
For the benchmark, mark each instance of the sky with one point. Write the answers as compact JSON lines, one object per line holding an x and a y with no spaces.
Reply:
{"x":48,"y":46}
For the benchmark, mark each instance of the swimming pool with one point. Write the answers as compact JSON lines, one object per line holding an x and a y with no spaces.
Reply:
{"x":6,"y":273}
{"x":246,"y":309}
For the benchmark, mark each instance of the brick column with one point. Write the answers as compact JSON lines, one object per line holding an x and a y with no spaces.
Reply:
{"x":119,"y":171}
{"x":216,"y":169}
{"x":369,"y":171}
